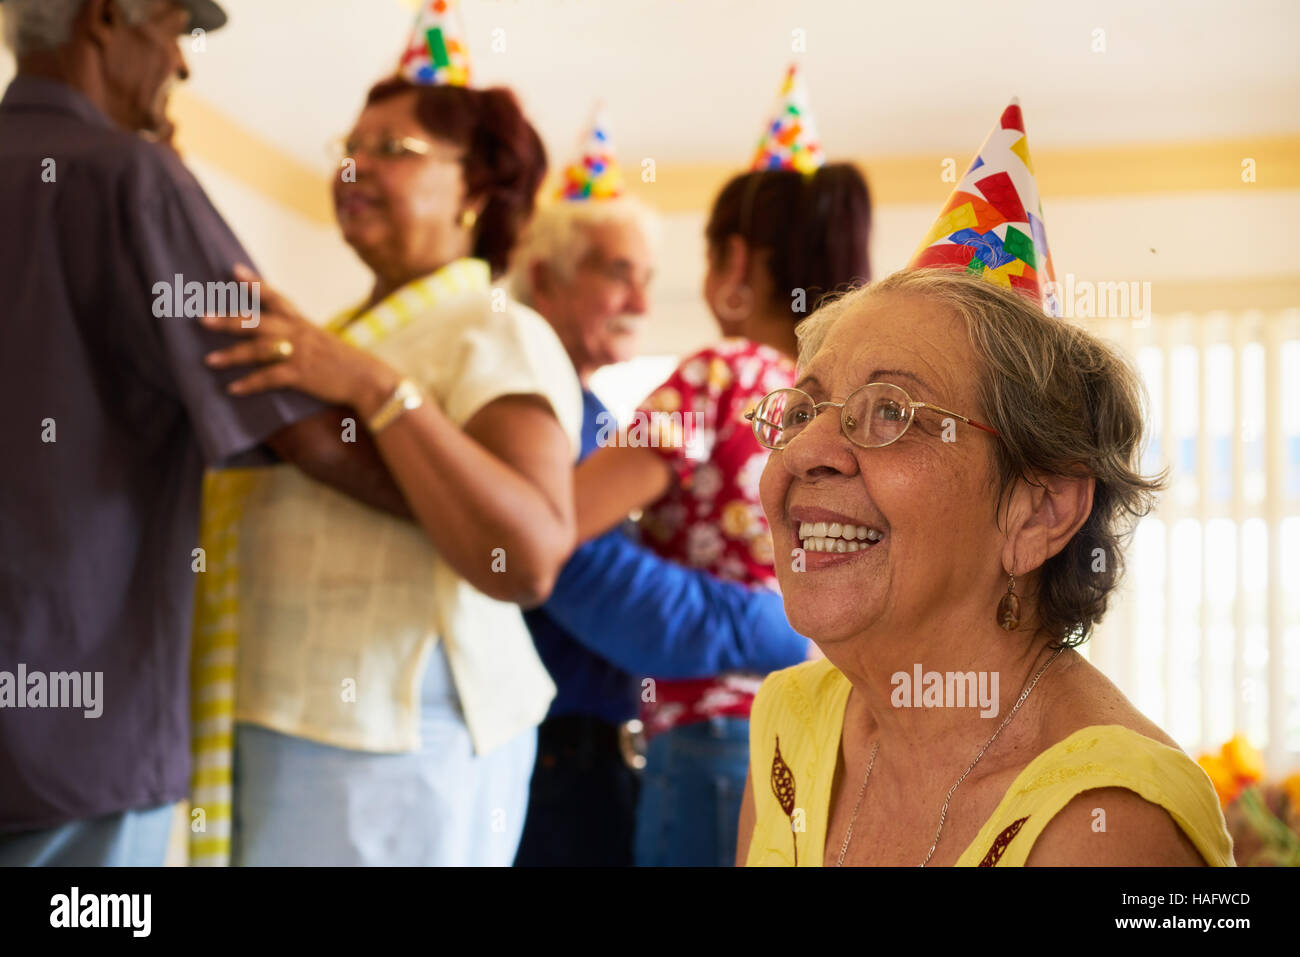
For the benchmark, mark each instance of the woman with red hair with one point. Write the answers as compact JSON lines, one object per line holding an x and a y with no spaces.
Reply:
{"x":388,"y":691}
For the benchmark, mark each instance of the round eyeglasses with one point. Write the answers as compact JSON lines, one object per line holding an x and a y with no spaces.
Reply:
{"x":875,"y":415}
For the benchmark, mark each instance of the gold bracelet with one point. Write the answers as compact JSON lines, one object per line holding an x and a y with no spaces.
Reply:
{"x":405,"y":397}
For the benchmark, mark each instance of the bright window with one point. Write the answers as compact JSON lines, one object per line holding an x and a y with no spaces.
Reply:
{"x":1204,"y":637}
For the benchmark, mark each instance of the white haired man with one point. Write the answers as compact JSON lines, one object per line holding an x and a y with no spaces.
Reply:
{"x":586,"y":267}
{"x":618,"y":611}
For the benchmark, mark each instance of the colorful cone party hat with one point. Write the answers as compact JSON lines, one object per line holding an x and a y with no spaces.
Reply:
{"x":789,"y":140}
{"x":992,"y":223}
{"x":595,"y":173}
{"x":436,"y":54}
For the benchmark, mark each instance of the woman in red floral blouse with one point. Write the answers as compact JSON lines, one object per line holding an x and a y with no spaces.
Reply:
{"x":778,"y":241}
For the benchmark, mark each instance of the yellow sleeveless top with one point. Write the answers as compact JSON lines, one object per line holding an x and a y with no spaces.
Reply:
{"x":794,"y":742}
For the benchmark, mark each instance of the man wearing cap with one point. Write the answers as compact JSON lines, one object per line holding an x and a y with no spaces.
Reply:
{"x":110,"y":419}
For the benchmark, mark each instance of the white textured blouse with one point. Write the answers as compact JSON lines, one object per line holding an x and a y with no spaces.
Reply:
{"x":340,"y":605}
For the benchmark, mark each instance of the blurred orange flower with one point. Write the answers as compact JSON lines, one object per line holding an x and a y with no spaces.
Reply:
{"x":1265,"y":831}
{"x":1291,"y":787}
{"x":1225,"y":785}
{"x":1237,"y":765}
{"x":1244,"y":759}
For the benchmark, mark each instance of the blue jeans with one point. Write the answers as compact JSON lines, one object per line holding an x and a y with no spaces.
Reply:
{"x":130,"y":839}
{"x":582,"y":805}
{"x":691,"y":790}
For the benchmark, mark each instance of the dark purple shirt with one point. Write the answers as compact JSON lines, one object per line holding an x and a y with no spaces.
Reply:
{"x":97,"y":527}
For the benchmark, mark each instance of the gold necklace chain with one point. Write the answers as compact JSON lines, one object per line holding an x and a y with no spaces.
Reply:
{"x":943,"y":814}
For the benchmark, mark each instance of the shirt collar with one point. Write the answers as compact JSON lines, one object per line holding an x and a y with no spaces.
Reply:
{"x":37,"y":93}
{"x":366,"y":327}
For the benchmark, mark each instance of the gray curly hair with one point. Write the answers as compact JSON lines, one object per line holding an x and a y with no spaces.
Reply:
{"x":1064,"y":402}
{"x":35,"y":25}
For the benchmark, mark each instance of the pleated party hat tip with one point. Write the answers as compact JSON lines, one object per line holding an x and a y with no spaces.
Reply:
{"x":594,"y":174}
{"x":436,"y":53}
{"x":992,"y":224}
{"x":789,"y":140}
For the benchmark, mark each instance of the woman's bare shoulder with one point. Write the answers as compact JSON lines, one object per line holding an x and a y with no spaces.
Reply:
{"x":1081,"y":696}
{"x":1139,"y":831}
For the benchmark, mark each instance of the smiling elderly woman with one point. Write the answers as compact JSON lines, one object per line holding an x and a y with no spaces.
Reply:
{"x":955,"y":520}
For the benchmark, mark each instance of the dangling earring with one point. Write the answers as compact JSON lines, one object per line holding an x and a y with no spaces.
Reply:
{"x":727,"y":310}
{"x":1009,"y":607}
{"x":468,"y":218}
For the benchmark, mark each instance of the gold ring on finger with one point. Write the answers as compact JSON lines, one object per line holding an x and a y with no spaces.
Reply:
{"x":283,"y":350}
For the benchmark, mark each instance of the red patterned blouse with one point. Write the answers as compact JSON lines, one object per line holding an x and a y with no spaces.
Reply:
{"x":712,"y":518}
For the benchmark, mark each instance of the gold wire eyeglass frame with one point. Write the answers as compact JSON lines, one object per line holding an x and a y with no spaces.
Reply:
{"x":343,"y":147}
{"x":847,"y":426}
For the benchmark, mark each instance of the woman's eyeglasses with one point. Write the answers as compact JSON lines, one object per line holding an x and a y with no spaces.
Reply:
{"x":389,"y":148}
{"x":875,"y":415}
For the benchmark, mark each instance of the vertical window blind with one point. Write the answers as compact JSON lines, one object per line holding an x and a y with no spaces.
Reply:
{"x":1204,"y":635}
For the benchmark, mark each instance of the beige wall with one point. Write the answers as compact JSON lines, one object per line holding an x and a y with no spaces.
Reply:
{"x":305,"y":259}
{"x":1176,"y":215}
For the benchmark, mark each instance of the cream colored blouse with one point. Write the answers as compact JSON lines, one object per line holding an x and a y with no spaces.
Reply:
{"x":340,"y":605}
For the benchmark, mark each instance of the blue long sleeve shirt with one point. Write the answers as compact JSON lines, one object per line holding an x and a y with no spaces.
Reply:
{"x":620,"y":613}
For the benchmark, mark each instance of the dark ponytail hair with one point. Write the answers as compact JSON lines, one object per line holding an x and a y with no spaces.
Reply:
{"x":814,"y":227}
{"x":505,"y":161}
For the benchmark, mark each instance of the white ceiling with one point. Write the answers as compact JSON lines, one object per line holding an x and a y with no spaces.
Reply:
{"x":693,"y":80}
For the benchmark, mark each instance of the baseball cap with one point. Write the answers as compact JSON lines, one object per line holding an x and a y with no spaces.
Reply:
{"x":204,"y":14}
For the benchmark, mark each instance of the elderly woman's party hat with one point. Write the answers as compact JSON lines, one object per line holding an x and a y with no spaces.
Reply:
{"x":789,"y":140}
{"x":992,"y":223}
{"x":595,"y":173}
{"x":436,"y":53}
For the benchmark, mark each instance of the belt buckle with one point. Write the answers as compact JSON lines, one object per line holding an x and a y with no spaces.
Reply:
{"x":631,"y":744}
